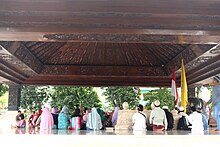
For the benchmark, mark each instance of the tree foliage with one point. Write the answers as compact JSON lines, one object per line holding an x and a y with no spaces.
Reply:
{"x":119,"y":95}
{"x":33,"y":97}
{"x":74,"y":96}
{"x":163,"y":95}
{"x":3,"y":89}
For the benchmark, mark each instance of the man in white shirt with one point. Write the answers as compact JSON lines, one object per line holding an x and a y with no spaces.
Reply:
{"x":196,"y":120}
{"x":158,"y":118}
{"x":139,"y":119}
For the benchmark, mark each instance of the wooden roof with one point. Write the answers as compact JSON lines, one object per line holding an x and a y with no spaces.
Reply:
{"x":108,"y":43}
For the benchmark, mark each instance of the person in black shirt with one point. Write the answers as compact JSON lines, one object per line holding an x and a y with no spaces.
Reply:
{"x":169,"y":116}
{"x":20,"y":121}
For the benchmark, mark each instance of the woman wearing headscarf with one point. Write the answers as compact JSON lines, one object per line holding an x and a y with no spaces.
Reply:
{"x":115,"y":116}
{"x":46,"y":120}
{"x":63,"y":118}
{"x":101,"y":114}
{"x":55,"y":115}
{"x":94,"y":120}
{"x":75,"y":121}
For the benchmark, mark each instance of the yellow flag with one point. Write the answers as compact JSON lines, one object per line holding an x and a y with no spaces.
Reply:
{"x":184,"y":89}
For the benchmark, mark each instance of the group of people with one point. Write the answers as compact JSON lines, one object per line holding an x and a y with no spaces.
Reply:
{"x":196,"y":122}
{"x":88,"y":119}
{"x":157,"y":121}
{"x":95,"y":118}
{"x":33,"y":121}
{"x":162,"y":119}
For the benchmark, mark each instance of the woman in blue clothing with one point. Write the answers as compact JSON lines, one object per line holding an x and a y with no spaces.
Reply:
{"x":63,"y":118}
{"x":215,"y":100}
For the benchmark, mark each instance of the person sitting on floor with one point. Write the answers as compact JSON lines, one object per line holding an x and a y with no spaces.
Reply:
{"x":63,"y":118}
{"x":20,"y":121}
{"x":46,"y":120}
{"x":183,"y":122}
{"x":55,"y":115}
{"x":115,"y":116}
{"x":158,"y":118}
{"x":195,"y":119}
{"x":75,"y":121}
{"x":33,"y":119}
{"x":37,"y":124}
{"x":93,"y":120}
{"x":169,"y":117}
{"x":139,"y":119}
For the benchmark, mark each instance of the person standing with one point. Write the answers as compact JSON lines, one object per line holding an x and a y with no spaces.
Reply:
{"x":215,"y":100}
{"x":169,"y":117}
{"x":139,"y":119}
{"x":158,"y":118}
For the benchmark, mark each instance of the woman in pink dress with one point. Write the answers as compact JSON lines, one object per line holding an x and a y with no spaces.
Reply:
{"x":46,"y":119}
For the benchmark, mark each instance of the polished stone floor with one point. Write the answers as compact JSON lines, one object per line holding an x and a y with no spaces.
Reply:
{"x":100,"y":132}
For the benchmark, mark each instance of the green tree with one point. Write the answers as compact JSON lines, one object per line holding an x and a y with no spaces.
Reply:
{"x":119,"y":95}
{"x":163,"y":95}
{"x":3,"y":89}
{"x":33,"y":97}
{"x":74,"y":96}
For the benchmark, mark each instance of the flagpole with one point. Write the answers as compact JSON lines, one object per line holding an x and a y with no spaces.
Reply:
{"x":174,"y":92}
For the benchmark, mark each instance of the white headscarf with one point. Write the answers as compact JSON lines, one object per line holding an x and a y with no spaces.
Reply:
{"x":94,"y":120}
{"x":65,"y":110}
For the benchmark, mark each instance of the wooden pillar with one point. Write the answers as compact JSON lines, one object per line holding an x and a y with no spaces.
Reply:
{"x":191,"y":92}
{"x":14,"y":97}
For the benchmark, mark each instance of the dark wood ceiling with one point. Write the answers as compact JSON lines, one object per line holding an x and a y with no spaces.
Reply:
{"x":104,"y":54}
{"x":100,"y":42}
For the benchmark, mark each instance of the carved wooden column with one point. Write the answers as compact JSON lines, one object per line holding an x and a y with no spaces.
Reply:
{"x":14,"y":97}
{"x":191,"y":92}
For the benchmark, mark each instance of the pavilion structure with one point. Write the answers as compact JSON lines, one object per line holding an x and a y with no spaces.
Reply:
{"x":107,"y":42}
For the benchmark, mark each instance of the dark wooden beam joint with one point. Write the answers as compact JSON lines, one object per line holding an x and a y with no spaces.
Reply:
{"x":21,"y":52}
{"x":187,"y":55}
{"x":191,"y":57}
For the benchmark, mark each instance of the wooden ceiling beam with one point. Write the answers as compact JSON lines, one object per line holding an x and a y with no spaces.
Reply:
{"x":188,"y":55}
{"x":11,"y":68}
{"x":173,"y":7}
{"x":102,"y":70}
{"x":10,"y":77}
{"x":20,"y":52}
{"x":14,"y":74}
{"x":179,"y":38}
{"x":99,"y":81}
